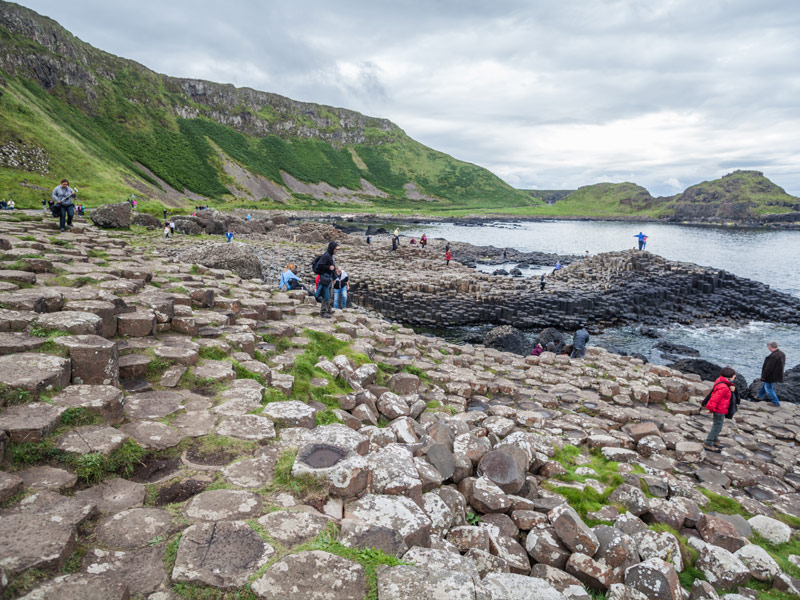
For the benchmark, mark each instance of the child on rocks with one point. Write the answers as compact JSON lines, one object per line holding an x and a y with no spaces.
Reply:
{"x":722,"y":394}
{"x":166,"y":230}
{"x":448,"y":257}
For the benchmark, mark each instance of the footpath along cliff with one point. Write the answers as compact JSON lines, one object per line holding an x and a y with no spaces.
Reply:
{"x":171,"y":430}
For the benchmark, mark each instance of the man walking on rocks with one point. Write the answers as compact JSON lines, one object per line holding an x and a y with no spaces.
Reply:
{"x":326,"y":269}
{"x":772,"y":372}
{"x":62,"y":198}
{"x":579,"y":341}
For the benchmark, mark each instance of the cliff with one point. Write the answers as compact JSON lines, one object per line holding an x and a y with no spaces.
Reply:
{"x":116,"y":127}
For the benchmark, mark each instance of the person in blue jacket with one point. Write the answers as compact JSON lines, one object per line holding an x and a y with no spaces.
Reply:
{"x":642,"y":240}
{"x":229,"y":235}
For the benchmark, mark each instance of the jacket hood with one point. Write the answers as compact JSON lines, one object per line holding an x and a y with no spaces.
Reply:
{"x":331,"y":247}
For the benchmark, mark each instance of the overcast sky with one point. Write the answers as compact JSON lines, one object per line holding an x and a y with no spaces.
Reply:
{"x":549,"y":94}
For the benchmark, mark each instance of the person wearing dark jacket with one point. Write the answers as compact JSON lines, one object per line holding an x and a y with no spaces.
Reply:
{"x":579,"y":341}
{"x":772,"y":372}
{"x":326,"y":269}
{"x":720,"y":404}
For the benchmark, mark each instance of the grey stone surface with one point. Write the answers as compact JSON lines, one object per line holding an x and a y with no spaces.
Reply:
{"x":30,"y":422}
{"x":47,"y":478}
{"x":91,"y":438}
{"x":102,"y":400}
{"x":114,"y":495}
{"x":313,"y":575}
{"x":79,"y":586}
{"x":152,"y":405}
{"x":252,"y":428}
{"x":292,"y":528}
{"x":34,"y":372}
{"x":133,"y":528}
{"x":33,"y":542}
{"x":223,"y":555}
{"x":396,"y":512}
{"x":152,"y":435}
{"x":142,"y":570}
{"x":222,"y":505}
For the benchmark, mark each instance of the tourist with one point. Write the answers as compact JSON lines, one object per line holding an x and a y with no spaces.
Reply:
{"x":542,"y":282}
{"x":642,"y":240}
{"x":289,"y":279}
{"x":557,"y":267}
{"x":11,"y":204}
{"x":165,"y":214}
{"x":772,"y":372}
{"x":326,"y":269}
{"x":537,"y":350}
{"x":720,"y":404}
{"x":44,"y":205}
{"x":172,"y":227}
{"x":423,"y":241}
{"x":505,"y":254}
{"x":579,"y":341}
{"x":62,"y":199}
{"x":81,"y":209}
{"x":394,"y":243}
{"x":412,"y":242}
{"x":340,"y":287}
{"x":369,"y":240}
{"x":229,"y":235}
{"x":448,"y":257}
{"x":397,"y":232}
{"x":248,"y":217}
{"x":166,"y":230}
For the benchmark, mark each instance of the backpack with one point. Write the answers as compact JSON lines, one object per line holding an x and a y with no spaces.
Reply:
{"x":314,"y":264}
{"x":708,"y":396}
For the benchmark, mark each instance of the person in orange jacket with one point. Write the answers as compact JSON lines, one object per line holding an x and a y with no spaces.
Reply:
{"x":722,"y":394}
{"x":448,"y":257}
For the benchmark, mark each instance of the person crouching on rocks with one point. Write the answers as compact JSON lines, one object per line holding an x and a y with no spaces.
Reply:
{"x":722,"y":395}
{"x":326,"y":269}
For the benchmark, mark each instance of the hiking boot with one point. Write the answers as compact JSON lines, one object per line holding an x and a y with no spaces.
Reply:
{"x":718,"y":445}
{"x":710,"y":448}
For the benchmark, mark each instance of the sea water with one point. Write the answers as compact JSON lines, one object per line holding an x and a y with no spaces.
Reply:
{"x":769,"y":256}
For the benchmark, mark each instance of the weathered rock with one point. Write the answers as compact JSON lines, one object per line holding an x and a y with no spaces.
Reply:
{"x":293,"y":528}
{"x":762,"y":566}
{"x":248,"y":427}
{"x":396,"y":512}
{"x":133,"y":528}
{"x":114,"y":495}
{"x":572,"y":531}
{"x":508,"y":586}
{"x":656,"y":579}
{"x":593,"y":574}
{"x":544,"y":546}
{"x":440,"y":560}
{"x":631,"y":498}
{"x":486,"y":497}
{"x":30,"y":422}
{"x":617,"y":549}
{"x":223,"y":555}
{"x":47,"y":478}
{"x":720,"y":532}
{"x":80,"y":586}
{"x":407,"y":582}
{"x":152,"y":405}
{"x":291,"y":413}
{"x":722,"y":569}
{"x":771,"y":529}
{"x":152,"y":435}
{"x":105,"y":401}
{"x":235,"y":256}
{"x":10,"y":485}
{"x":29,"y":541}
{"x":91,"y":438}
{"x":312,"y":575}
{"x":663,"y":545}
{"x":71,"y":321}
{"x":358,"y":534}
{"x":221,"y":505}
{"x":112,"y":216}
{"x":503,"y":470}
{"x":34,"y":373}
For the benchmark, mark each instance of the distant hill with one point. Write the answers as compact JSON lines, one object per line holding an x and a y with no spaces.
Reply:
{"x":745,"y":197}
{"x":114,"y":127}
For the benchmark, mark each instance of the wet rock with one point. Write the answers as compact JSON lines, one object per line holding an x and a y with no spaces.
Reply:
{"x":223,"y":555}
{"x":312,"y":575}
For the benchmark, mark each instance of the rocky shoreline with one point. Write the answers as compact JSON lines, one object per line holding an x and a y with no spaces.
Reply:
{"x":168,"y":429}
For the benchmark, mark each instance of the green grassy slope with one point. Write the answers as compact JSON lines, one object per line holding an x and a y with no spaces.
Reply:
{"x":116,"y":114}
{"x":606,"y":200}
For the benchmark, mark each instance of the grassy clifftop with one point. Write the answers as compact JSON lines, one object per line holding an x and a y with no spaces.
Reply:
{"x":114,"y":127}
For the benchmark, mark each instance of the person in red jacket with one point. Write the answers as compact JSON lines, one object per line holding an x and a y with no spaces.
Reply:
{"x":718,"y":404}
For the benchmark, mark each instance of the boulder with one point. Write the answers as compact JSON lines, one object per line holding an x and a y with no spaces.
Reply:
{"x":112,"y":216}
{"x":656,"y":579}
{"x":235,"y":256}
{"x":507,"y":339}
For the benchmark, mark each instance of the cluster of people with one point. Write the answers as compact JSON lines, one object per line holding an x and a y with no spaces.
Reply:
{"x":332,"y":281}
{"x":133,"y":201}
{"x":7,"y":204}
{"x":577,"y":349}
{"x":169,"y":228}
